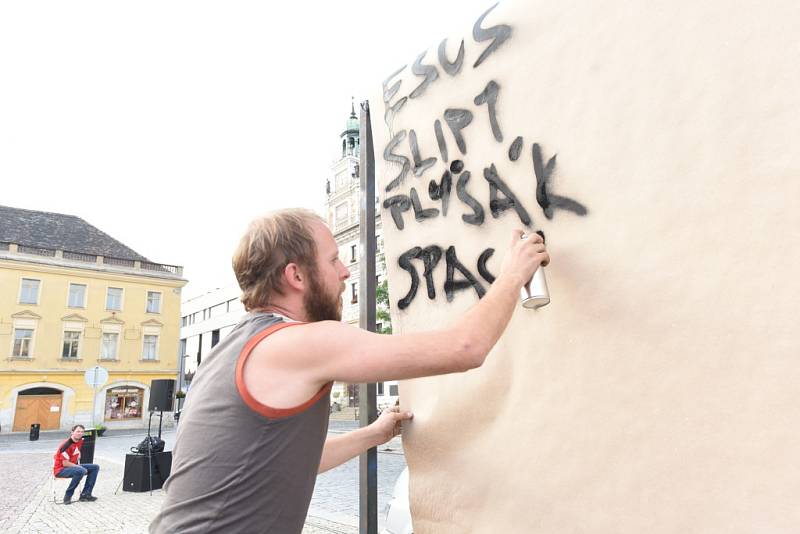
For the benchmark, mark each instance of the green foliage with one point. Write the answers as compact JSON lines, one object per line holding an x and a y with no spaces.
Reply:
{"x":382,"y":311}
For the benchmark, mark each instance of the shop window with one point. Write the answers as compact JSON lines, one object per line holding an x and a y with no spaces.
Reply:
{"x":124,"y":403}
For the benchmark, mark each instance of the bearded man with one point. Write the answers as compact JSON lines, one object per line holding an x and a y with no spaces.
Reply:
{"x":252,"y":436}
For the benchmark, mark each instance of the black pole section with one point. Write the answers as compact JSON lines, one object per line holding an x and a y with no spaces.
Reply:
{"x":368,"y":462}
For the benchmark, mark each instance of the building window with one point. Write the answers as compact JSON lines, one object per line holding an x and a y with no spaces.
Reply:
{"x":153,"y":302}
{"x":72,"y":340}
{"x":380,"y":388}
{"x":342,"y":214}
{"x":353,"y":294}
{"x":77,"y":296}
{"x":185,"y":320}
{"x":23,"y":339}
{"x":150,"y":348}
{"x":353,"y":253}
{"x":124,"y":403}
{"x":108,"y":346}
{"x":393,"y":390}
{"x":114,"y":299}
{"x":29,"y":291}
{"x":214,"y":338}
{"x":217,"y":310}
{"x":199,"y":349}
{"x":237,"y":306}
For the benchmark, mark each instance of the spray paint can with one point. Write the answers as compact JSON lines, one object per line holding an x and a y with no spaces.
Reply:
{"x":534,"y":294}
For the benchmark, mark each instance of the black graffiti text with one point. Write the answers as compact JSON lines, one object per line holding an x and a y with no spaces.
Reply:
{"x":458,"y":277}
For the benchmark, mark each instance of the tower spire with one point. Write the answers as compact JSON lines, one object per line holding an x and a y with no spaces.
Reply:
{"x":350,"y":141}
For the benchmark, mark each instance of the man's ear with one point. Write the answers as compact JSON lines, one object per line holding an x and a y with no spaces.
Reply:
{"x":293,"y":276}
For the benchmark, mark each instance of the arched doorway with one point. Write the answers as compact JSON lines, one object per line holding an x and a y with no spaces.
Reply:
{"x":40,"y":405}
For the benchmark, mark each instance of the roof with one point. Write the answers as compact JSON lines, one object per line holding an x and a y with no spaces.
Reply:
{"x":57,"y":231}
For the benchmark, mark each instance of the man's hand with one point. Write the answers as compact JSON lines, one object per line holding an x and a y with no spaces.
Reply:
{"x":389,"y":424}
{"x":339,"y":449}
{"x":524,"y":256}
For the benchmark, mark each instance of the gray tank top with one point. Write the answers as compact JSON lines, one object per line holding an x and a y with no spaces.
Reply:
{"x":238,"y":465}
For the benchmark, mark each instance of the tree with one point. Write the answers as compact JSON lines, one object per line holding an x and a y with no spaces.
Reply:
{"x":382,"y":309}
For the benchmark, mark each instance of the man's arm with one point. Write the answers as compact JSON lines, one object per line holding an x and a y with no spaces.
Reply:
{"x":339,"y":449}
{"x":317,"y":353}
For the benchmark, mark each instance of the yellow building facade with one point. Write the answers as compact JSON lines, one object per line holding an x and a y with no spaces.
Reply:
{"x":63,"y":312}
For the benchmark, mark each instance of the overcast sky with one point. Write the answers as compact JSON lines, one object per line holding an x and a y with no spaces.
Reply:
{"x":169,"y":125}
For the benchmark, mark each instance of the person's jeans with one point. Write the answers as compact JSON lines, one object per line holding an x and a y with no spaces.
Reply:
{"x":76,"y":474}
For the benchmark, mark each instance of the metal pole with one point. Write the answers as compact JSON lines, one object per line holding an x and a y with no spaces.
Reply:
{"x":182,"y":359}
{"x":368,"y":462}
{"x":94,"y":398}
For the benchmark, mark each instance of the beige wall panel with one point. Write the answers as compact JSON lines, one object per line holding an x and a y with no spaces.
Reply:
{"x":658,"y":392}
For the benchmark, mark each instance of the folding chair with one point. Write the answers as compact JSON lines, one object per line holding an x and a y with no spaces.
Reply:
{"x":58,"y":486}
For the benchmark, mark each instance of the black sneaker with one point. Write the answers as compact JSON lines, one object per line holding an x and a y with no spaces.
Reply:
{"x":67,"y":500}
{"x":89,"y":498}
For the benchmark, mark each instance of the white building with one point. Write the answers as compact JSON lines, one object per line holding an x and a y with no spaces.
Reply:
{"x":205,"y":320}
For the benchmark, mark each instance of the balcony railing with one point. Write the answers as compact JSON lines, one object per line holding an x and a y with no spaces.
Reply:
{"x":119,"y":262}
{"x":36,"y":251}
{"x":79,"y":256}
{"x":174,"y":269}
{"x":136,"y":265}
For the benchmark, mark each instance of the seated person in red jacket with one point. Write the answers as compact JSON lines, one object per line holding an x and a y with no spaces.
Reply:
{"x":67,"y":465}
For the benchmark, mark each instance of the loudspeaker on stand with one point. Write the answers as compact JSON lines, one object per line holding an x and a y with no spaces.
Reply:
{"x":162,"y":393}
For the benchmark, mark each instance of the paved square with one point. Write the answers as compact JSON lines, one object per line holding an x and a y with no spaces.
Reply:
{"x":26,"y":492}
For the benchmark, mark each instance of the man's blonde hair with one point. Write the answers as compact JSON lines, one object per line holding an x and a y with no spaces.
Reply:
{"x":269,"y":245}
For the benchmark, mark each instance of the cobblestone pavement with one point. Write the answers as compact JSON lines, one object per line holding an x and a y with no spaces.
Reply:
{"x":27,"y":505}
{"x":38,"y":513}
{"x":336,"y":492}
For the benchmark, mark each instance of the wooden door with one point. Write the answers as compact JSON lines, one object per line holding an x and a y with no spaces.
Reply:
{"x":42,"y":409}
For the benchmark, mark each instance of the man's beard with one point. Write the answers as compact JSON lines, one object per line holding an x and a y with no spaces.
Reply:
{"x":319,"y":304}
